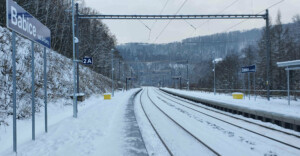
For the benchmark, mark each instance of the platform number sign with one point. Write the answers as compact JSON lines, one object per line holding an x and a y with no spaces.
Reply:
{"x":87,"y":60}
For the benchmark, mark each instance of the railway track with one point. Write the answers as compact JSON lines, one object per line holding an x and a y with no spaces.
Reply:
{"x":226,"y":114}
{"x":156,"y":132}
{"x":230,"y":116}
{"x":178,"y":125}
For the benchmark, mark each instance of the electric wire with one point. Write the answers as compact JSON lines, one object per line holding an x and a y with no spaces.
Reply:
{"x":147,"y":28}
{"x":256,"y":14}
{"x":190,"y":24}
{"x":160,"y":13}
{"x":231,"y":4}
{"x":152,"y":26}
{"x":228,"y":6}
{"x":170,"y":21}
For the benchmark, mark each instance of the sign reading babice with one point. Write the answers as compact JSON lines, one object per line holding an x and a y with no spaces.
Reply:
{"x":25,"y":24}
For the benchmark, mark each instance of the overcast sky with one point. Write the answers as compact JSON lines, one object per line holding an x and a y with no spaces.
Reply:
{"x":136,"y":31}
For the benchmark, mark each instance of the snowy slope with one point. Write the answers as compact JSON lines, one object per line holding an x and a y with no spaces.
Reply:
{"x":60,"y":77}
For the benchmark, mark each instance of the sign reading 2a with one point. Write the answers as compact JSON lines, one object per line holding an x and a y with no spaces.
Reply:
{"x":87,"y":60}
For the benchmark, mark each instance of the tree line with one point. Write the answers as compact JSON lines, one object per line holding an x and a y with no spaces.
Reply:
{"x":285,"y":46}
{"x":95,"y":38}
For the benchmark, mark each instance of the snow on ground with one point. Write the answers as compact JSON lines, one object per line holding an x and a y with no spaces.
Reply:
{"x":98,"y":130}
{"x":152,"y":142}
{"x":178,"y":141}
{"x":222,"y":137}
{"x":274,"y":105}
{"x":267,"y":124}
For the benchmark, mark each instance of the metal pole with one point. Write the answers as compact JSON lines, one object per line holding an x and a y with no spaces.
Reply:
{"x":249,"y":85}
{"x":288,"y":85}
{"x":180,"y":83}
{"x":214,"y":77}
{"x":32,"y":91}
{"x":254,"y":88}
{"x":77,"y":47}
{"x":268,"y":45}
{"x":119,"y":70}
{"x":123,"y":71}
{"x":74,"y":64}
{"x":126,"y":83}
{"x":244,"y":86}
{"x":187,"y":75}
{"x":112,"y":72}
{"x":14,"y":91}
{"x":45,"y":89}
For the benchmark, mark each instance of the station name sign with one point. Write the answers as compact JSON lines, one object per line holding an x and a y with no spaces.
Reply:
{"x":20,"y":21}
{"x":249,"y":69}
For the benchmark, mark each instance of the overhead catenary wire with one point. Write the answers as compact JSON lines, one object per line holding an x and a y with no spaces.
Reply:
{"x":147,"y":28}
{"x":170,"y":21}
{"x":152,"y":26}
{"x":160,"y":13}
{"x":256,"y":14}
{"x":228,"y":6}
{"x":190,"y":24}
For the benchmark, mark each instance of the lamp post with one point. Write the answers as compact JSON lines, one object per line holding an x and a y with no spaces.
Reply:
{"x":74,"y":64}
{"x":119,"y":70}
{"x":214,"y":61}
{"x":112,"y":72}
{"x":187,"y":75}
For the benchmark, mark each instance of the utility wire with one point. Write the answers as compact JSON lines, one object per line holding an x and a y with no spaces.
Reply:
{"x":170,"y":21}
{"x":256,"y":14}
{"x":190,"y":24}
{"x":145,"y":25}
{"x":147,"y":28}
{"x":231,"y":4}
{"x":160,"y":12}
{"x":156,"y":20}
{"x":195,"y":28}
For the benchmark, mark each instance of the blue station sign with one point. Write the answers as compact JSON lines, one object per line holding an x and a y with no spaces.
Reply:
{"x":20,"y":21}
{"x":248,"y":69}
{"x":87,"y":60}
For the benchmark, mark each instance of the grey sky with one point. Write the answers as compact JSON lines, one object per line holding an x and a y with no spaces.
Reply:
{"x":135,"y":31}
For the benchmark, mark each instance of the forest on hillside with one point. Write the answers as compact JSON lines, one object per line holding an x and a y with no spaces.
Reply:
{"x":95,"y":38}
{"x":237,"y":49}
{"x":285,"y":46}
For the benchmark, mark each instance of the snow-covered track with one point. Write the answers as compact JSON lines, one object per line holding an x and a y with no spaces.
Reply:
{"x":179,"y":125}
{"x":158,"y":135}
{"x":226,"y":114}
{"x":291,"y":135}
{"x":281,"y":119}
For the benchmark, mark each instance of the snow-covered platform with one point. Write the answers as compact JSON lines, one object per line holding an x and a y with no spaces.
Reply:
{"x":103,"y":127}
{"x":276,"y":111}
{"x":134,"y":139}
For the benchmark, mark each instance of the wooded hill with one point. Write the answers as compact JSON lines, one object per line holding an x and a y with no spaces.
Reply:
{"x":95,"y":39}
{"x":237,"y":49}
